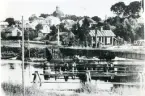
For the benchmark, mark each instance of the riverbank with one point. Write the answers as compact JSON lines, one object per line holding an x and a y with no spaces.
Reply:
{"x":11,"y":89}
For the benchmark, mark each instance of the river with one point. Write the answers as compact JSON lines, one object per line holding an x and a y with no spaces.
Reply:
{"x":11,"y":71}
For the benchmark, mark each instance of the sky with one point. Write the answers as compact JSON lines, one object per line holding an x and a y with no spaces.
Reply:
{"x":19,"y":8}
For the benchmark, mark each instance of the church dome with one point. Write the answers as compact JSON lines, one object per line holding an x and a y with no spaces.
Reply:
{"x":58,"y":13}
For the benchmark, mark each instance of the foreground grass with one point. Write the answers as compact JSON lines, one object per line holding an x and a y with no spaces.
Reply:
{"x":11,"y":89}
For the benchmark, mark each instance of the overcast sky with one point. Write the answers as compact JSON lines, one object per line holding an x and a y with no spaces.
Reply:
{"x":17,"y":8}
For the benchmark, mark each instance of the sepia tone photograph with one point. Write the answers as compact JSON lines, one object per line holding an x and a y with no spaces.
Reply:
{"x":72,"y":48}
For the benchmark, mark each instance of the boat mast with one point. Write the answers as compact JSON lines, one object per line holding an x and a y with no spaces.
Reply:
{"x":23,"y":83}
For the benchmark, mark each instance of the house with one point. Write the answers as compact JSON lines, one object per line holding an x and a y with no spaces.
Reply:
{"x":68,"y":23}
{"x":12,"y":32}
{"x":105,"y":37}
{"x":44,"y":31}
{"x":51,"y":20}
{"x":3,"y":25}
{"x":34,"y":24}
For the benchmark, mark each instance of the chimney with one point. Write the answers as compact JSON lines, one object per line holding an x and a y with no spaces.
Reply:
{"x":101,"y":29}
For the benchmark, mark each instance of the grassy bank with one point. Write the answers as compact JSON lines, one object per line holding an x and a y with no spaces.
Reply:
{"x":11,"y":89}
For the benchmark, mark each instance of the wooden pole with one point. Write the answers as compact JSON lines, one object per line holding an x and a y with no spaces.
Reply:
{"x":23,"y":83}
{"x":58,"y":36}
{"x":96,"y":37}
{"x":29,"y":44}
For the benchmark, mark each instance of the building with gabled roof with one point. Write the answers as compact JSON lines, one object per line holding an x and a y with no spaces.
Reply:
{"x":105,"y":37}
{"x":12,"y":32}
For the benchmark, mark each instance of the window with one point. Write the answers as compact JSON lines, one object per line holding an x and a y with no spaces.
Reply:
{"x":108,"y":40}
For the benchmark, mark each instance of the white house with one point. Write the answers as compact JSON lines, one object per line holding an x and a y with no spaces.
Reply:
{"x":68,"y":23}
{"x":3,"y":25}
{"x":51,"y":20}
{"x":44,"y":31}
{"x":34,"y":24}
{"x":12,"y":31}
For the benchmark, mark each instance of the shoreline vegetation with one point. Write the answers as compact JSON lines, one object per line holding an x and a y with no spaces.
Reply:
{"x":11,"y":89}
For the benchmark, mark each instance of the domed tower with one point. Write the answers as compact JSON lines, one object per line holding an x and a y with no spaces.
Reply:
{"x":58,"y":13}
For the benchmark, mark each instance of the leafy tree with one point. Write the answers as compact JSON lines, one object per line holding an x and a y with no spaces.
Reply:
{"x":83,"y":31}
{"x":86,"y":22}
{"x":125,"y":23}
{"x":72,"y":17}
{"x":142,"y":2}
{"x":39,"y":27}
{"x":114,"y":20}
{"x":96,"y":18}
{"x":32,"y":18}
{"x":30,"y":34}
{"x":133,"y":9}
{"x":140,"y":32}
{"x":3,"y":35}
{"x":118,"y":8}
{"x":44,"y":15}
{"x":62,"y":28}
{"x":53,"y":30}
{"x":50,"y":36}
{"x":10,"y":21}
{"x":106,"y":26}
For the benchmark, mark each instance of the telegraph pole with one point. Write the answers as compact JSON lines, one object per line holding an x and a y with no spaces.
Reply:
{"x":58,"y":38}
{"x":23,"y":83}
{"x":96,"y":40}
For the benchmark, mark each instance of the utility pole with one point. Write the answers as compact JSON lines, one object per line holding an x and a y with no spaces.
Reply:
{"x":23,"y":83}
{"x":96,"y":41}
{"x":58,"y":39}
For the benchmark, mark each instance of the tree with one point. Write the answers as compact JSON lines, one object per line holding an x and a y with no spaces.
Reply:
{"x":84,"y":31}
{"x":126,"y":26}
{"x":140,"y":32}
{"x":39,"y":27}
{"x":32,"y":18}
{"x":44,"y":15}
{"x":142,"y":2}
{"x":106,"y":26}
{"x":62,"y":28}
{"x":53,"y":30}
{"x":10,"y":21}
{"x":72,"y":17}
{"x":96,"y":18}
{"x":133,"y":9}
{"x":30,"y":34}
{"x":118,"y":8}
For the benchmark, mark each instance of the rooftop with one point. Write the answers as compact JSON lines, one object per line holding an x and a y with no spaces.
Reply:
{"x":102,"y":33}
